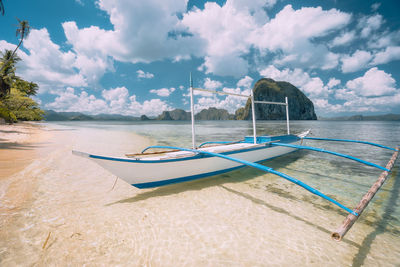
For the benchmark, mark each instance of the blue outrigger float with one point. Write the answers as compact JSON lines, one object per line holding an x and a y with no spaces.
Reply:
{"x":146,"y":170}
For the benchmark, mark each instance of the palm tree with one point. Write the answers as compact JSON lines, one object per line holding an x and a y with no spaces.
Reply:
{"x":7,"y":73}
{"x":23,"y":32}
{"x":1,"y":7}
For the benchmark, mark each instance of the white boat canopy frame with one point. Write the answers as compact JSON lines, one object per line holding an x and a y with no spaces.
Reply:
{"x":192,"y":89}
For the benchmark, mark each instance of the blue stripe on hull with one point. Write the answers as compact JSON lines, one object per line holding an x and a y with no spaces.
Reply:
{"x":196,"y":177}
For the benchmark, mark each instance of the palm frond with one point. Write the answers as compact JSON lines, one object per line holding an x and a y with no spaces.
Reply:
{"x":1,"y":7}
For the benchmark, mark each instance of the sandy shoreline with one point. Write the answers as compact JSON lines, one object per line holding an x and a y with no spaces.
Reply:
{"x":20,"y":145}
{"x":72,"y":217}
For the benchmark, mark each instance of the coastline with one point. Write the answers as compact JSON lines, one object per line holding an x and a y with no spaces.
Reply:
{"x":20,"y":145}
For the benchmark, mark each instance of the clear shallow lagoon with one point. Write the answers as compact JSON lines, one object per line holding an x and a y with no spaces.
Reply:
{"x":345,"y":179}
{"x":241,"y":218}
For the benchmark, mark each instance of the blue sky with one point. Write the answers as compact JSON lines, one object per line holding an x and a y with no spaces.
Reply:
{"x":134,"y":57}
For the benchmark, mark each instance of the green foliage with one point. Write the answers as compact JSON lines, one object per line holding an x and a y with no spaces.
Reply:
{"x":18,"y":106}
{"x":7,"y":72}
{"x":15,"y":101}
{"x":1,"y":7}
{"x":6,"y":114}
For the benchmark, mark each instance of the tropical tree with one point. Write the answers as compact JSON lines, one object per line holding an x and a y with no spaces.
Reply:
{"x":7,"y":72}
{"x":15,"y":93}
{"x":22,"y":32}
{"x":1,"y":7}
{"x":19,"y":106}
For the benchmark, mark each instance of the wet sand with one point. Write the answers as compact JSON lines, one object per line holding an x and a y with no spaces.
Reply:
{"x":74,"y":216}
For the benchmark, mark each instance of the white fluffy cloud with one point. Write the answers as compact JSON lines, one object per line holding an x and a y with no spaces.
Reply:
{"x":344,"y":39}
{"x":144,"y":75}
{"x":163,"y":91}
{"x":245,"y":82}
{"x":68,"y":100}
{"x":369,"y":24}
{"x":113,"y":101}
{"x":225,"y":30}
{"x":289,"y":27}
{"x":357,"y":61}
{"x":157,"y":29}
{"x":230,"y":103}
{"x":231,"y":32}
{"x":389,"y":54}
{"x":313,"y":87}
{"x":46,"y":64}
{"x":333,"y":82}
{"x":211,"y":84}
{"x":374,"y":83}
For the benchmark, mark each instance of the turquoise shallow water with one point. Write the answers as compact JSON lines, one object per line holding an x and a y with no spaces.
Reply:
{"x":342,"y":179}
{"x":80,"y":214}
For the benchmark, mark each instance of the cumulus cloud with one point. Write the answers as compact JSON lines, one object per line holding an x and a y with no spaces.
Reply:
{"x":113,"y":101}
{"x":313,"y":86}
{"x":211,"y":84}
{"x":231,"y":32}
{"x":359,"y":60}
{"x":375,"y":6}
{"x":291,"y":26}
{"x":245,"y":82}
{"x":47,"y":65}
{"x":230,"y":103}
{"x":144,"y":75}
{"x":225,"y":30}
{"x":375,"y":82}
{"x":344,"y":39}
{"x":163,"y":91}
{"x":391,"y":53}
{"x":157,"y":27}
{"x":68,"y":100}
{"x":333,"y":82}
{"x":369,"y":24}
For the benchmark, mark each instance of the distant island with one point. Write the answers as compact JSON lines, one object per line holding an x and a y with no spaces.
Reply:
{"x":385,"y":117}
{"x":173,"y":115}
{"x":300,"y":108}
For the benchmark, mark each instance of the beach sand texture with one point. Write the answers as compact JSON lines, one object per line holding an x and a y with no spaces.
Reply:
{"x":70,"y":215}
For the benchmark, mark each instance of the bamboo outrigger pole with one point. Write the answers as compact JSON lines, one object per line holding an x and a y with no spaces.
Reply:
{"x":192,"y":113}
{"x":351,"y":218}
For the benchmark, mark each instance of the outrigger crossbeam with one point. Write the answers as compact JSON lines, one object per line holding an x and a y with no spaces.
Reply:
{"x":253,"y":112}
{"x":351,"y":141}
{"x":266,"y":169}
{"x":332,"y":153}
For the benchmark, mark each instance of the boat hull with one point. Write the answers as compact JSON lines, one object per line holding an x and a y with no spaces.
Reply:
{"x":154,"y":173}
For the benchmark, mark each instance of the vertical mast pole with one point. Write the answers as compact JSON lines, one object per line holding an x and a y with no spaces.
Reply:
{"x":287,"y":114}
{"x":192,"y":112}
{"x":254,"y":117}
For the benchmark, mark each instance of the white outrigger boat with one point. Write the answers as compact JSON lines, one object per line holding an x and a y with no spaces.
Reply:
{"x":153,"y":169}
{"x":145,"y":170}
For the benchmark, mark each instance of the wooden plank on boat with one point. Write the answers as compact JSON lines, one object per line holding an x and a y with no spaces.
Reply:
{"x":351,"y":218}
{"x":220,"y":148}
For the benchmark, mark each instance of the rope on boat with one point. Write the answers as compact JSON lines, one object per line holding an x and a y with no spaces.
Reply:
{"x":266,"y":169}
{"x":219,"y":142}
{"x":350,"y":219}
{"x":333,"y":153}
{"x":346,"y":140}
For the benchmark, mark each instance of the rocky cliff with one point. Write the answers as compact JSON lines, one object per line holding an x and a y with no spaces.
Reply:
{"x":174,"y":115}
{"x":300,"y":107}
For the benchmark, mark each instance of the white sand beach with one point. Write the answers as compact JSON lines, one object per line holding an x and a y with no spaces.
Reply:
{"x":70,"y":214}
